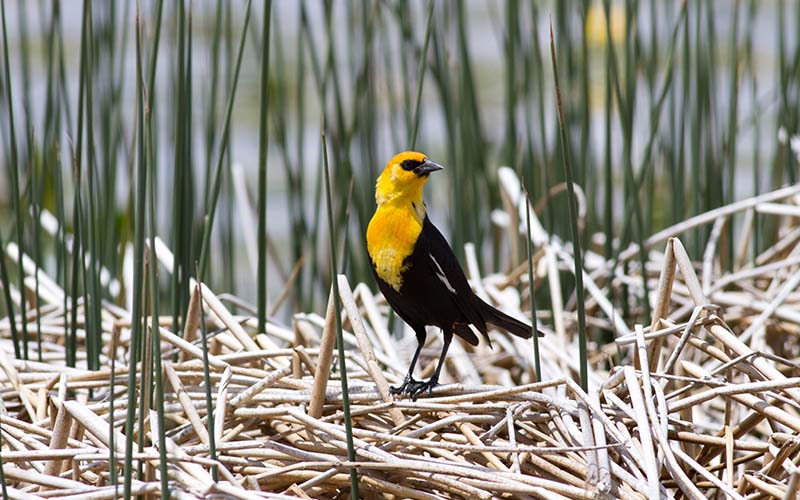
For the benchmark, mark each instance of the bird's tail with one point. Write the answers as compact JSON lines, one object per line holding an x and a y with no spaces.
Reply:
{"x":502,"y":320}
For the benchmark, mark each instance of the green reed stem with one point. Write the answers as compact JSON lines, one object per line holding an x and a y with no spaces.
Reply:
{"x":112,"y":451}
{"x":212,"y":440}
{"x":573,"y":218}
{"x":138,"y":266}
{"x":351,"y":452}
{"x":36,"y":205}
{"x":155,"y":331}
{"x":537,"y":364}
{"x":181,"y":214}
{"x":263,"y":143}
{"x":78,"y":263}
{"x":412,"y":138}
{"x":94,"y":333}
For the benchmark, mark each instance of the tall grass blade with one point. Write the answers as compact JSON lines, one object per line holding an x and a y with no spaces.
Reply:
{"x":608,"y":172}
{"x":538,"y":62}
{"x":112,"y":450}
{"x":78,"y":240}
{"x":412,"y":138}
{"x":733,"y":126}
{"x":573,"y":216}
{"x":36,"y":197}
{"x":226,"y":228}
{"x":211,"y":117}
{"x":138,"y":265}
{"x":262,"y":170}
{"x":155,"y":331}
{"x":212,"y":440}
{"x":92,"y":284}
{"x":72,"y":339}
{"x":351,"y":452}
{"x":53,"y":116}
{"x":181,"y":211}
{"x":537,"y":364}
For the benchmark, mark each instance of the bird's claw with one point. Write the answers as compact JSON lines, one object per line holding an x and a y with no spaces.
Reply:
{"x":422,"y":387}
{"x":413,"y":388}
{"x":405,"y":388}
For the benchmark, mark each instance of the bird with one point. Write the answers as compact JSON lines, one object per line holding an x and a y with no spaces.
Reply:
{"x":418,"y":272}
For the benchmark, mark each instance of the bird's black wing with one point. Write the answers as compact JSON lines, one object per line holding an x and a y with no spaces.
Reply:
{"x":443,"y":267}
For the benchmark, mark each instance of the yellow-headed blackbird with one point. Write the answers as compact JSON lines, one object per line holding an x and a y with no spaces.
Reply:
{"x":418,"y":272}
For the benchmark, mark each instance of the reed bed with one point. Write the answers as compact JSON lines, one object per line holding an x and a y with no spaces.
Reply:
{"x":700,"y":400}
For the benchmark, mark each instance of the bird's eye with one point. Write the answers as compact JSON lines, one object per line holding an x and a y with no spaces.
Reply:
{"x":410,"y":164}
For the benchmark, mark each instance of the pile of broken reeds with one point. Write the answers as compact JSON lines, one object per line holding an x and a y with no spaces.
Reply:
{"x":702,"y":402}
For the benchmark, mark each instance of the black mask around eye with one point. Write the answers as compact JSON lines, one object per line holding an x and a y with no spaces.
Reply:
{"x":410,"y":165}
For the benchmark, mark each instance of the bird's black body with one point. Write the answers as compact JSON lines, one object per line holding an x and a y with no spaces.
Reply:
{"x":435,"y":292}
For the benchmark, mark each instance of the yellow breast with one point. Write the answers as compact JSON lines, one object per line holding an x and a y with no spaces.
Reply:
{"x":391,"y":236}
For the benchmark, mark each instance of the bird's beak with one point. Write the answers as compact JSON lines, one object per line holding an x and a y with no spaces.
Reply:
{"x":427,"y":167}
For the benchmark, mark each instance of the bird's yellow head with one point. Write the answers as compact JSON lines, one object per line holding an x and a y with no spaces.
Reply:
{"x":403,"y":177}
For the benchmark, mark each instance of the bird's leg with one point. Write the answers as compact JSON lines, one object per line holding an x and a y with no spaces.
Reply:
{"x":409,"y":384}
{"x":421,"y":387}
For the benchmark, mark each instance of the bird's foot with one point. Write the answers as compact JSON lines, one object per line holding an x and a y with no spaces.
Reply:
{"x":408,"y":385}
{"x":423,"y":387}
{"x":413,"y":388}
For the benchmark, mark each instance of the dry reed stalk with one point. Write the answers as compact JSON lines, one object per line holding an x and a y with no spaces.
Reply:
{"x":324,"y":362}
{"x":364,"y":345}
{"x":189,"y":349}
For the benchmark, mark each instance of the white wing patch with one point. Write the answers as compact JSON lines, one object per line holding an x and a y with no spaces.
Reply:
{"x":441,"y":276}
